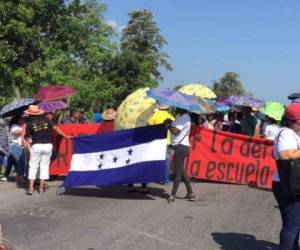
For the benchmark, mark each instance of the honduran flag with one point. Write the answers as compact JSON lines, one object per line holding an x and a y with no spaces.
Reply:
{"x":120,"y":157}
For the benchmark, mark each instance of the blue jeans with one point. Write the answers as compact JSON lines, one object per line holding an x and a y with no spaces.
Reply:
{"x":289,"y":207}
{"x":16,"y":157}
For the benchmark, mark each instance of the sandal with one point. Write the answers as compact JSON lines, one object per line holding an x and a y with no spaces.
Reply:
{"x":42,"y":190}
{"x":29,"y":191}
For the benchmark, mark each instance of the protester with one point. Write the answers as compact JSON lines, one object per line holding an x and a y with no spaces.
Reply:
{"x":218,"y":126}
{"x":4,"y":144}
{"x":82,"y":116}
{"x":109,"y":115}
{"x":210,"y":121}
{"x":270,"y":128}
{"x":39,"y":130}
{"x":16,"y":156}
{"x":180,"y":130}
{"x":73,"y":117}
{"x":287,"y":147}
{"x":232,"y":126}
{"x":250,"y":124}
{"x":97,"y":117}
{"x":159,"y":117}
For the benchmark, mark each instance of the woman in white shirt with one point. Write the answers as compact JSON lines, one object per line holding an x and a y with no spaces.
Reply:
{"x":287,"y":147}
{"x":16,"y":156}
{"x":180,"y":131}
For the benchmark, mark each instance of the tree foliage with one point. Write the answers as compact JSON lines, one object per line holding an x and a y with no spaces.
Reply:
{"x":228,"y":84}
{"x":142,"y":39}
{"x":69,"y":42}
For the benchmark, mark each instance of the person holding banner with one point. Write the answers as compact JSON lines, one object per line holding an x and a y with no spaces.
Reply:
{"x":159,"y":117}
{"x":39,"y":130}
{"x":180,"y":131}
{"x":287,"y":147}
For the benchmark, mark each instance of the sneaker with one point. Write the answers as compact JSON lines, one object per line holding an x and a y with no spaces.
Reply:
{"x":4,"y":178}
{"x":190,"y":197}
{"x":171,"y":199}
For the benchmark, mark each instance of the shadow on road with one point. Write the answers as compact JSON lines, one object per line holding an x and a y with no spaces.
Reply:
{"x":117,"y":192}
{"x":236,"y":241}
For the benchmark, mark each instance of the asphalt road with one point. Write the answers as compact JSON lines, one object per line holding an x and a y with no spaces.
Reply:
{"x":223,"y":217}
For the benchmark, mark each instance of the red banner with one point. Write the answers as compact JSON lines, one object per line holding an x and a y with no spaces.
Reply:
{"x":63,"y":149}
{"x":215,"y":156}
{"x":233,"y":158}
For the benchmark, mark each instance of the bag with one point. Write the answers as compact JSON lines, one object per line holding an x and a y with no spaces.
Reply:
{"x":289,"y":173}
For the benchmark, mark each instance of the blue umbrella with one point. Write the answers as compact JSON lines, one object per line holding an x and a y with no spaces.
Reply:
{"x":17,"y":106}
{"x":179,"y":100}
{"x":249,"y":101}
{"x":294,"y":96}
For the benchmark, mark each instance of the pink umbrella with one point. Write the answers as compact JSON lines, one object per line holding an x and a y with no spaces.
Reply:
{"x":54,"y":92}
{"x":51,"y":106}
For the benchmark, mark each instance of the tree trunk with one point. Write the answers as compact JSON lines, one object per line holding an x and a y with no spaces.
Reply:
{"x":17,"y":92}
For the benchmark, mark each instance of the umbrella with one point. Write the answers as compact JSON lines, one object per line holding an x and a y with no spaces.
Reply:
{"x":273,"y":109}
{"x":223,"y":104}
{"x":17,"y":106}
{"x":135,"y":110}
{"x":249,"y":101}
{"x":198,"y":90}
{"x":176,"y":99}
{"x":51,"y":106}
{"x":54,"y":92}
{"x":294,"y":96}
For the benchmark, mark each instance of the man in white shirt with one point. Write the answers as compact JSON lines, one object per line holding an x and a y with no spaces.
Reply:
{"x":180,"y":130}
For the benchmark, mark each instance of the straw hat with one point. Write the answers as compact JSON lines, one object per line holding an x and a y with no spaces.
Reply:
{"x":34,"y":110}
{"x":109,"y":115}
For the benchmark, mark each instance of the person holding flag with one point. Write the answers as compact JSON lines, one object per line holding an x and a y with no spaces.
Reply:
{"x":180,"y":130}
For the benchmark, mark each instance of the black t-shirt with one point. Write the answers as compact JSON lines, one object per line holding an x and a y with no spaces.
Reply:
{"x":40,"y":130}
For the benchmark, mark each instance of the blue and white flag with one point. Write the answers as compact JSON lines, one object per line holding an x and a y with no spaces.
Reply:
{"x":120,"y":157}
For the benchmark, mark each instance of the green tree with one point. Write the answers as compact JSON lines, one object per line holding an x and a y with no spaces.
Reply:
{"x":141,"y":39}
{"x":229,"y":84}
{"x":48,"y":41}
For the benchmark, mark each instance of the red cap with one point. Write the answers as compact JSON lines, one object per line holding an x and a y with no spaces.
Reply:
{"x":292,"y":112}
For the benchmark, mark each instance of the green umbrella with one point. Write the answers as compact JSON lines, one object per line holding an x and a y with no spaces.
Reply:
{"x":273,"y":109}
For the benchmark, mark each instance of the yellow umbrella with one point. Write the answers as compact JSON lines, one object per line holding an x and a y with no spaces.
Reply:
{"x":198,"y":90}
{"x":135,"y":110}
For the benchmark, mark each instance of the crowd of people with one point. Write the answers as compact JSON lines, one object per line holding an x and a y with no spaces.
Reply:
{"x":26,"y":144}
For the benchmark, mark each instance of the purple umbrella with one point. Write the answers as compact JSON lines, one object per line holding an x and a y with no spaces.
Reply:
{"x":249,"y":101}
{"x":179,"y":100}
{"x":51,"y":106}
